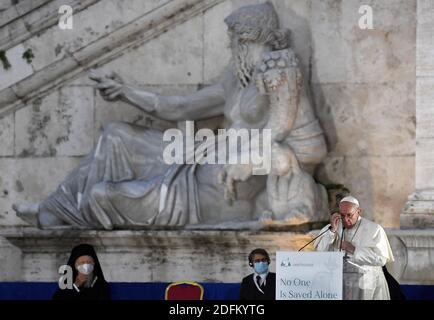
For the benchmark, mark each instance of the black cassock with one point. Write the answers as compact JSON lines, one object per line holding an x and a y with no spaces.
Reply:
{"x":249,"y":290}
{"x":99,"y":290}
{"x":394,"y":287}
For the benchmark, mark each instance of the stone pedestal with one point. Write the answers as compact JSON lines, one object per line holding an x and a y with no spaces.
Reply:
{"x":191,"y":255}
{"x":10,"y":261}
{"x":414,"y":256}
{"x":152,"y":256}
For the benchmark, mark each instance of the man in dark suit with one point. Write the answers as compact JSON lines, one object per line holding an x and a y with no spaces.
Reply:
{"x":260,"y":285}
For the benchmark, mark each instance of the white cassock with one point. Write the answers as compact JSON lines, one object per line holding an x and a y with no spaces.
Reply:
{"x":371,"y":254}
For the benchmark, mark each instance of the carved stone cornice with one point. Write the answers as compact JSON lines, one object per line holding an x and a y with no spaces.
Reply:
{"x":419,"y":210}
{"x":31,"y":240}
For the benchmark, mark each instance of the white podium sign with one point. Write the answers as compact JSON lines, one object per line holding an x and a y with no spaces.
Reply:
{"x":309,"y":275}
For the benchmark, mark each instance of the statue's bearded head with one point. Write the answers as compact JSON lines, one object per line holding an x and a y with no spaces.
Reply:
{"x":254,"y":24}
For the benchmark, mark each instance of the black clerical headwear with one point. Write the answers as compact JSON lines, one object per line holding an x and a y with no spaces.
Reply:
{"x":85,"y":250}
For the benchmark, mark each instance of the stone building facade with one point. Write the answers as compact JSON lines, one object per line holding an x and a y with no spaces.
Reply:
{"x":372,"y":90}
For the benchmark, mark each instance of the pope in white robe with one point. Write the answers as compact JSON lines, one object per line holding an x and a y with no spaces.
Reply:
{"x":366,"y":248}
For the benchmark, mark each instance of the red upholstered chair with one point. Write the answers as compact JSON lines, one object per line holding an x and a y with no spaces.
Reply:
{"x":184,"y":291}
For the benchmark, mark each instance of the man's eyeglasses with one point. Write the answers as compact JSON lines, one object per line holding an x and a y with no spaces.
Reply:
{"x":348,"y":215}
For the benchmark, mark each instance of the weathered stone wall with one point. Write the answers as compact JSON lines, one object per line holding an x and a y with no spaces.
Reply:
{"x":362,"y":83}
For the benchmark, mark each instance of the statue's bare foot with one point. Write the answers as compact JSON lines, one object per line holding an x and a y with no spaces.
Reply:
{"x":28,"y":212}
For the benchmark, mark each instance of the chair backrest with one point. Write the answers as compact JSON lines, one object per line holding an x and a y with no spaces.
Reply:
{"x":184,"y":291}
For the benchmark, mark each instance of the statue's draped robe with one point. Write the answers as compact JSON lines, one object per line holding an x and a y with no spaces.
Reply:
{"x":371,"y":254}
{"x":124,"y":182}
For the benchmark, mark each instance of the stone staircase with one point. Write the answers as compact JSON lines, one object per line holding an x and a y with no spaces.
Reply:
{"x":63,"y":55}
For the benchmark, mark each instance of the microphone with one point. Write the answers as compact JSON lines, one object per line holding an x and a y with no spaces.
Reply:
{"x":329,"y":228}
{"x":342,"y":237}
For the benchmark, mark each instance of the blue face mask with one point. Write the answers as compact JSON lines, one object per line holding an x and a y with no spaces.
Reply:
{"x":261,"y":267}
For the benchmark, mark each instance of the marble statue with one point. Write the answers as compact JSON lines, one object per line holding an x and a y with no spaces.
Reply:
{"x":124,"y":183}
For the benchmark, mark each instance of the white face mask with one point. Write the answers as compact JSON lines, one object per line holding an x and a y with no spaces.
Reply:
{"x":85,"y":268}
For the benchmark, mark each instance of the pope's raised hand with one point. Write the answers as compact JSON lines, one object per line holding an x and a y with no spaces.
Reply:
{"x":334,"y":221}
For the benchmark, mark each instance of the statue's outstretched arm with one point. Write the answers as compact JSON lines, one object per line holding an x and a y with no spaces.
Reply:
{"x":205,"y":103}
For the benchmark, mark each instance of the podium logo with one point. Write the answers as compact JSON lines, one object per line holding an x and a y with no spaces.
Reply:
{"x":285,"y":263}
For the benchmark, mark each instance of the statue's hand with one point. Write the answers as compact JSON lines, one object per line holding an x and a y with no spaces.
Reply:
{"x":282,"y":159}
{"x":110,"y":86}
{"x":229,"y":175}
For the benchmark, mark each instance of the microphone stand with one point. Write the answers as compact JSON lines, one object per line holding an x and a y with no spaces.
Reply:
{"x":342,"y":237}
{"x":329,"y":228}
